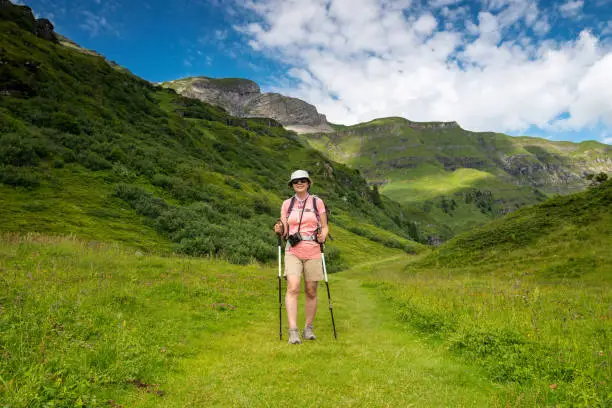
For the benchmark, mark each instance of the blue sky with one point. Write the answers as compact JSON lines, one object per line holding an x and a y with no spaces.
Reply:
{"x":522,"y":67}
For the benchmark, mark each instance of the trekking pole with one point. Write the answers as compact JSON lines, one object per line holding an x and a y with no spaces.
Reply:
{"x":331,"y":309}
{"x":280,"y":302}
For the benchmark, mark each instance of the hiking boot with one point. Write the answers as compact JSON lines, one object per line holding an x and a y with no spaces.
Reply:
{"x":294,"y":336}
{"x":308,"y":334}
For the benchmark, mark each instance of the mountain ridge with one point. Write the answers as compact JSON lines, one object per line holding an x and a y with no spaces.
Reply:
{"x":438,"y":168}
{"x":243,"y":98}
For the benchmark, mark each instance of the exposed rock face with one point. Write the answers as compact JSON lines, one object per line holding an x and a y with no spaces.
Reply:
{"x":563,"y":174}
{"x":232,"y":94}
{"x":243,"y":98}
{"x":432,"y":125}
{"x":44,"y":29}
{"x":24,"y":18}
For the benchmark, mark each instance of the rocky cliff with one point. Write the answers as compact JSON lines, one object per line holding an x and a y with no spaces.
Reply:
{"x":243,"y":98}
{"x":24,"y":18}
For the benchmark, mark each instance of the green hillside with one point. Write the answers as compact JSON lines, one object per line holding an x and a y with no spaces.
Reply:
{"x":87,"y":148}
{"x":576,"y":228}
{"x":487,"y":320}
{"x":460,"y":178}
{"x":527,"y":297}
{"x":136,"y":258}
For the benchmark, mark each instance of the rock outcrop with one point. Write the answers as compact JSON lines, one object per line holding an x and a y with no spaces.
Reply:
{"x":24,"y":18}
{"x":243,"y":98}
{"x":432,"y":125}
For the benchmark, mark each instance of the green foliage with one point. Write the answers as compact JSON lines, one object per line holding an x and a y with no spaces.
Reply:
{"x":525,"y":226}
{"x":388,"y":241}
{"x":597,"y":179}
{"x":64,"y":122}
{"x":19,"y":177}
{"x":509,"y":357}
{"x":18,"y":150}
{"x":376,"y":196}
{"x":422,"y":164}
{"x":142,"y":201}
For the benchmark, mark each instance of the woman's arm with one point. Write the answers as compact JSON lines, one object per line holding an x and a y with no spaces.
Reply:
{"x":322,"y":236}
{"x":282,"y":226}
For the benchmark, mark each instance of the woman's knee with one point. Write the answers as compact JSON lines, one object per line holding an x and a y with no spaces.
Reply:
{"x":311,"y":292}
{"x":293,"y":289}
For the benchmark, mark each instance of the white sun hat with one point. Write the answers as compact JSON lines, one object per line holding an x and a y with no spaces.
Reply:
{"x":298,"y":174}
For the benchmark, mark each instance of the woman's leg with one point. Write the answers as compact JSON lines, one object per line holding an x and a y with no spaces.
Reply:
{"x":311,"y":301}
{"x":291,"y":299}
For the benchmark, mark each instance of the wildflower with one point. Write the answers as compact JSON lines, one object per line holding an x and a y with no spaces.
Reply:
{"x":552,"y":386}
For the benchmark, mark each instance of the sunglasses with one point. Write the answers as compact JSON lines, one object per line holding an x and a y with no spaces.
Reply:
{"x":302,"y":180}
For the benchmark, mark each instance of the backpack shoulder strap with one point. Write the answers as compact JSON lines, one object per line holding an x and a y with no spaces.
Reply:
{"x":291,"y":204}
{"x":314,"y":205}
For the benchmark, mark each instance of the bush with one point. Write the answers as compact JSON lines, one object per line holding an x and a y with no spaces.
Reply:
{"x":141,"y":200}
{"x":65,"y":122}
{"x":19,"y":177}
{"x":58,"y":163}
{"x":17,"y":150}
{"x":9,"y":123}
{"x":262,"y":206}
{"x":94,"y":161}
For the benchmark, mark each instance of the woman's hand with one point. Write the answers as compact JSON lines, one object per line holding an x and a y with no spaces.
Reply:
{"x":321,"y":237}
{"x":278,"y":228}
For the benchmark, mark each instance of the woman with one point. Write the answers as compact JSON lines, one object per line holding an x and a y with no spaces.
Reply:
{"x":305,"y":230}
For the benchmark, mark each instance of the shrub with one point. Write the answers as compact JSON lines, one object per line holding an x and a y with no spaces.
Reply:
{"x":9,"y":123}
{"x":233,"y":183}
{"x":65,"y":122}
{"x":262,"y":206}
{"x":58,"y":163}
{"x":17,"y":150}
{"x":141,"y":200}
{"x":19,"y":177}
{"x":94,"y":161}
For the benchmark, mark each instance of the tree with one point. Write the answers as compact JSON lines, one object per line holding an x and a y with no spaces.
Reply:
{"x":376,"y":197}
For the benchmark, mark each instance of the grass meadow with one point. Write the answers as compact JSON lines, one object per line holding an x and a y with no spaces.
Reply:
{"x":90,"y":324}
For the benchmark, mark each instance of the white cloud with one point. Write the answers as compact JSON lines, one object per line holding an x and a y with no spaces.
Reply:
{"x":442,"y":3}
{"x":97,"y":24}
{"x":361,"y":59}
{"x":571,"y":8}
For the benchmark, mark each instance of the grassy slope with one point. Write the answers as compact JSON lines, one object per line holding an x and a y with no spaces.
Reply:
{"x":80,"y":140}
{"x":515,"y":314}
{"x":95,"y":325}
{"x":421,"y":167}
{"x":526,"y":297}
